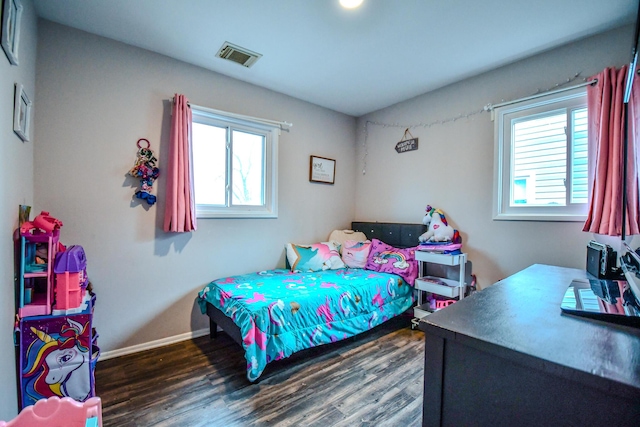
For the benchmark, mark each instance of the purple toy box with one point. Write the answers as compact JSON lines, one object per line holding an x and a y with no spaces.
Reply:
{"x":58,"y":355}
{"x":70,"y":269}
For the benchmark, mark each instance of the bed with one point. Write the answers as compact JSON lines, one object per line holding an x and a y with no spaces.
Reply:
{"x":275,"y":313}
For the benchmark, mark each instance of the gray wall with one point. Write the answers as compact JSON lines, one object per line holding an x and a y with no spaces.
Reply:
{"x":96,"y":98}
{"x":453,"y":167}
{"x":16,"y":188}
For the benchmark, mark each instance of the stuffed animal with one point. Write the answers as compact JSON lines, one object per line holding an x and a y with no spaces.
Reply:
{"x":439,"y":230}
{"x":146,"y":170}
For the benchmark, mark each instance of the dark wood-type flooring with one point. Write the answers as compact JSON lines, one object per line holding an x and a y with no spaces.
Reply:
{"x":374,"y":379}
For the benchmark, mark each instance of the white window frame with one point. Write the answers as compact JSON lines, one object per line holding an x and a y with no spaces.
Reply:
{"x":252,"y":125}
{"x":502,"y":116}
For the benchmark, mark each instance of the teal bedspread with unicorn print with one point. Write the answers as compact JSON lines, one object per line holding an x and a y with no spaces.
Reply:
{"x":280,"y":312}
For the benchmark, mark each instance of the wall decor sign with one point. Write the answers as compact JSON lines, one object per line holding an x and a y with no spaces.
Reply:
{"x":11,"y":14}
{"x":407,"y":144}
{"x":322,"y":170}
{"x":21,"y":113}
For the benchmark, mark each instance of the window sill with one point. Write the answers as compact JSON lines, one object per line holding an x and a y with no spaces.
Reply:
{"x":540,"y":217}
{"x":206,"y":214}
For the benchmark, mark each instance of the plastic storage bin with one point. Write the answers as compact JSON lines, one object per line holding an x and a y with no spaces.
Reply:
{"x":58,"y":355}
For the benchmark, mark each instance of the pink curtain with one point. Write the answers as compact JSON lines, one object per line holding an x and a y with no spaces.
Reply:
{"x":606,"y":145}
{"x":180,"y":213}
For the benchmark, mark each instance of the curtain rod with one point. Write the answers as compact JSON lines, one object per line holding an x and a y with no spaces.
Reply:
{"x":280,"y":124}
{"x":490,"y":107}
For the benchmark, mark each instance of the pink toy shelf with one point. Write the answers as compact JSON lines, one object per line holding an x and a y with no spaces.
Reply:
{"x":57,"y":344}
{"x":37,"y":252}
{"x":70,"y":270}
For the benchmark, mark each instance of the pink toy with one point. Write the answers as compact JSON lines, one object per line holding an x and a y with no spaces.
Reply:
{"x":436,"y":302}
{"x":443,"y":304}
{"x":34,"y":275}
{"x":71,"y":278}
{"x":57,"y":412}
{"x":42,"y":224}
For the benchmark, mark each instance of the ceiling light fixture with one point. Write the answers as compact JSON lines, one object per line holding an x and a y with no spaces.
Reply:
{"x":350,"y":4}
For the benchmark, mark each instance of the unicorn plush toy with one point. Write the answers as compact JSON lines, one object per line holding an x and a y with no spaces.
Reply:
{"x":439,"y":230}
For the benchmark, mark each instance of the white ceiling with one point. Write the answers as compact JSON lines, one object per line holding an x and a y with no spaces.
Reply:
{"x":352,"y":61}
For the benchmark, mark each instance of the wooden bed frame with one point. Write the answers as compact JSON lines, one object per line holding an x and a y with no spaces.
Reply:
{"x":392,"y":233}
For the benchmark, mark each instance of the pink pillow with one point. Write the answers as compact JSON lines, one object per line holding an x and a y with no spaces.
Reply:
{"x":355,"y":253}
{"x":387,"y":259}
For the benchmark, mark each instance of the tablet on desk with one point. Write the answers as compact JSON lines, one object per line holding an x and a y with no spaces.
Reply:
{"x":606,"y":300}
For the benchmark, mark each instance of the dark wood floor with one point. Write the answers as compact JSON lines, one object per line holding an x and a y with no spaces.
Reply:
{"x":374,"y":379}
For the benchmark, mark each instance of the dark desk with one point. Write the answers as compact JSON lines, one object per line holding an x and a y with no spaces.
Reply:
{"x":508,"y":356}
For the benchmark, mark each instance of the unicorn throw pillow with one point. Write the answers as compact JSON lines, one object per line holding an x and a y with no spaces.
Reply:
{"x":355,"y":253}
{"x":387,"y":259}
{"x":315,"y":257}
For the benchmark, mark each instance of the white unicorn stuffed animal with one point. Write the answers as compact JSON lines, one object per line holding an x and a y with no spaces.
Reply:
{"x":439,"y":230}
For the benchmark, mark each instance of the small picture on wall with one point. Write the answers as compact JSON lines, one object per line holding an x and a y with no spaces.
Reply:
{"x":322,"y":170}
{"x":11,"y":14}
{"x":21,"y":113}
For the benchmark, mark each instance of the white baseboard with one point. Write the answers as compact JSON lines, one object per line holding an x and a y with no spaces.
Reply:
{"x":153,"y":344}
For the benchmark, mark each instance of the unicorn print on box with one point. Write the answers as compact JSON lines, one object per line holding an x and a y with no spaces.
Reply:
{"x":57,"y":364}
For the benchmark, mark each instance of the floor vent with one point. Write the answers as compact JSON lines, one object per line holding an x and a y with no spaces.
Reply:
{"x":238,"y":54}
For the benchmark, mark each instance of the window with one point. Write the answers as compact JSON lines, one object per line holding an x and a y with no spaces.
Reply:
{"x":541,"y":158}
{"x":234,"y":165}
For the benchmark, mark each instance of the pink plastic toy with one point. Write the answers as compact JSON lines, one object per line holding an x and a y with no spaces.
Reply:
{"x":443,"y":304}
{"x":71,"y":278}
{"x":437,"y":303}
{"x":57,"y":412}
{"x":43,"y":223}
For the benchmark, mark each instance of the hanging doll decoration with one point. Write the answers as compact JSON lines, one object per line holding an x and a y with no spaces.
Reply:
{"x":145,"y":169}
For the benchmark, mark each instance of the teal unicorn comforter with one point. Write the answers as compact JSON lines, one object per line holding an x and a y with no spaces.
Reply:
{"x":280,"y":312}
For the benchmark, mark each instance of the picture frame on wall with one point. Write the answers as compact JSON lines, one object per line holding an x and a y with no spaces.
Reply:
{"x":322,"y":170}
{"x":21,"y":113}
{"x":11,"y":16}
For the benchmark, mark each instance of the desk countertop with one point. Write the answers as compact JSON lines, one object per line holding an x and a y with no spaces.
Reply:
{"x":519,"y":318}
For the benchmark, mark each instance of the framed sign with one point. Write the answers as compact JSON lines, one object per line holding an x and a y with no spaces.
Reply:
{"x":11,"y":15}
{"x":21,"y":113}
{"x":322,"y":170}
{"x":407,"y":144}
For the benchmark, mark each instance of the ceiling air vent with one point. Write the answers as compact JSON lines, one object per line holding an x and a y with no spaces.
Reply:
{"x":238,"y":54}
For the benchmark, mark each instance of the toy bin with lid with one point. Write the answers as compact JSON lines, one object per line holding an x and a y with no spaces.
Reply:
{"x":70,"y":269}
{"x":57,"y":358}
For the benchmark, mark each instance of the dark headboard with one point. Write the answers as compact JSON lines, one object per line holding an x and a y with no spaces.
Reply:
{"x":392,"y":233}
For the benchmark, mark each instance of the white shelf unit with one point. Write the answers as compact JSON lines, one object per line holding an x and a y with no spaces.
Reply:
{"x":426,"y":284}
